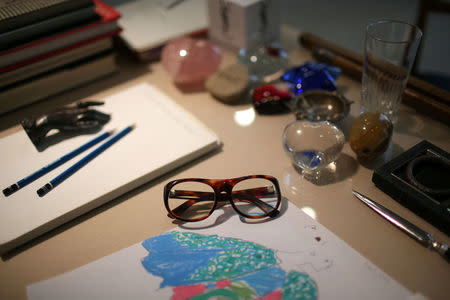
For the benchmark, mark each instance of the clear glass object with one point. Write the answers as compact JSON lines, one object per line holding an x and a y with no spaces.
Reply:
{"x":265,"y":63}
{"x":390,"y":49}
{"x":312,"y":145}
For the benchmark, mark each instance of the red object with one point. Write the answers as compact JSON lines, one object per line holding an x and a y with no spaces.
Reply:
{"x":58,"y":51}
{"x":274,"y":295}
{"x":223,"y":283}
{"x":274,"y":51}
{"x":54,"y":44}
{"x":268,"y":99}
{"x":183,"y":292}
{"x":269,"y":92}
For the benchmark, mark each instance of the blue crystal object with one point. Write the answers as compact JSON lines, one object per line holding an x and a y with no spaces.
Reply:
{"x":312,"y":157}
{"x":311,"y":76}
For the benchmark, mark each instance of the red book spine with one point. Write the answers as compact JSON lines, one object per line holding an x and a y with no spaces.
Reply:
{"x":58,"y":51}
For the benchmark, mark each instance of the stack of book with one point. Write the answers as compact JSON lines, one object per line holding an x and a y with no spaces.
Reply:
{"x":49,"y":46}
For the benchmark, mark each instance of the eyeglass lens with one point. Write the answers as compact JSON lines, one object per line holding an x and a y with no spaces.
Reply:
{"x":191,"y":200}
{"x":255,"y":197}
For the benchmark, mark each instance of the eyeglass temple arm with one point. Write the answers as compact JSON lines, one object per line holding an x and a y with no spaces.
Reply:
{"x":250,"y":195}
{"x":208,"y":196}
{"x":193,"y":197}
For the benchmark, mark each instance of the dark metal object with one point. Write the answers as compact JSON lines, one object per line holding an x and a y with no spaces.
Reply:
{"x":73,"y":119}
{"x":424,"y":238}
{"x":320,"y":105}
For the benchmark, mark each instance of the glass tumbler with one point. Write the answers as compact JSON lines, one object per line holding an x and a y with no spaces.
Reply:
{"x":390,"y":50}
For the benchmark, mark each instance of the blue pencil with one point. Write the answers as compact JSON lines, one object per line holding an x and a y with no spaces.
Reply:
{"x":32,"y":177}
{"x":82,"y":162}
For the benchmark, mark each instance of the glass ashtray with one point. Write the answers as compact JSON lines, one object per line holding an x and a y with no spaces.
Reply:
{"x":320,"y":105}
{"x":312,"y":145}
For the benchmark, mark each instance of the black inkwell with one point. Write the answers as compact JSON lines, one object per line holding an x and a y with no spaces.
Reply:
{"x":430,"y":174}
{"x":419,"y":179}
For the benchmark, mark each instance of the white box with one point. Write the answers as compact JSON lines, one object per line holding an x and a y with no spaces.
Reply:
{"x":238,"y":24}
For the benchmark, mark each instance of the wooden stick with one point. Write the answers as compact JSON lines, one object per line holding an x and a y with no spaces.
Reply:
{"x":422,"y":103}
{"x":311,"y":41}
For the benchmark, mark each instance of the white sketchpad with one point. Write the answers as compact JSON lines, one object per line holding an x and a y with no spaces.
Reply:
{"x":166,"y":136}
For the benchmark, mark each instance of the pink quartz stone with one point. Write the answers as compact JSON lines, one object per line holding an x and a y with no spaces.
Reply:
{"x":190,"y":62}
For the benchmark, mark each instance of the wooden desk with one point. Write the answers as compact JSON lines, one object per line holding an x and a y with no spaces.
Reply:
{"x":251,"y":149}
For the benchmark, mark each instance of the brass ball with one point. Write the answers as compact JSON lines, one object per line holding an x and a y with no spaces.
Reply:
{"x":370,"y":135}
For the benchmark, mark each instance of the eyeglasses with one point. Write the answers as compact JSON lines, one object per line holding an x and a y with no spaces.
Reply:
{"x":194,"y":199}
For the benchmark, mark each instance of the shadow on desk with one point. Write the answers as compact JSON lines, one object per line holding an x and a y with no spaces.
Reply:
{"x":226,"y":212}
{"x":345,"y":167}
{"x":392,"y":151}
{"x":411,"y":124}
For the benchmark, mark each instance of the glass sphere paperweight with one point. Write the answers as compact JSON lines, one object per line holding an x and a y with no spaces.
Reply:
{"x":265,"y":63}
{"x":312,"y":145}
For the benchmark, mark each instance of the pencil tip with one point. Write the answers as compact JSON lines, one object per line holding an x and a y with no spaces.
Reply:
{"x":133,"y":126}
{"x":44,"y":190}
{"x":111,"y":131}
{"x":11,"y":189}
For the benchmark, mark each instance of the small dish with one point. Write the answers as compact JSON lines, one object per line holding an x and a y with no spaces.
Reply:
{"x":320,"y":105}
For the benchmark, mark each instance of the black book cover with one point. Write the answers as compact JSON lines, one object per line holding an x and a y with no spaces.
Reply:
{"x":18,"y":13}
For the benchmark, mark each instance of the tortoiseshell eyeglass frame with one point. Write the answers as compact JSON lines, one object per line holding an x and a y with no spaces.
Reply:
{"x":222,"y":192}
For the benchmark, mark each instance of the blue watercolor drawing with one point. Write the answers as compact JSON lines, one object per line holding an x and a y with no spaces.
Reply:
{"x":203,"y":266}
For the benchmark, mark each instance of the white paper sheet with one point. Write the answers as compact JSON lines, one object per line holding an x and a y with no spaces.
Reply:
{"x":299,"y":243}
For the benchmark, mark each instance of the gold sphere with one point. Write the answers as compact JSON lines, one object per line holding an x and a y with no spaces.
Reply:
{"x":370,"y":135}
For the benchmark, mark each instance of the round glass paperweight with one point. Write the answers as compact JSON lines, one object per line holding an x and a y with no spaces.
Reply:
{"x":265,"y":63}
{"x":312,"y":145}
